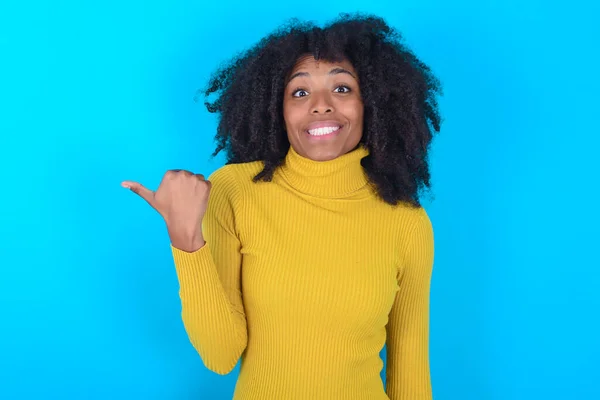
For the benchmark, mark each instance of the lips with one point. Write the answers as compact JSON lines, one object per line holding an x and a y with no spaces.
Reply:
{"x":320,"y":128}
{"x":324,"y":124}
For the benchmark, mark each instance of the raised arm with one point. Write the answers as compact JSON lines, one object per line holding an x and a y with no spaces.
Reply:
{"x":210,"y":290}
{"x":200,"y":218}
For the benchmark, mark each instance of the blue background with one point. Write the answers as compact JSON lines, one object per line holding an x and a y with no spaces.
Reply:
{"x":94,"y":93}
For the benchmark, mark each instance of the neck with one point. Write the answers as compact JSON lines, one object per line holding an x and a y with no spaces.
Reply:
{"x":335,"y":178}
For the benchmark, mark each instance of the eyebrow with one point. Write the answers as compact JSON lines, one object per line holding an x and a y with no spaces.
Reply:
{"x":334,"y":71}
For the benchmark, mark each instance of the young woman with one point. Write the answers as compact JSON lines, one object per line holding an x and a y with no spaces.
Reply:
{"x":309,"y":249}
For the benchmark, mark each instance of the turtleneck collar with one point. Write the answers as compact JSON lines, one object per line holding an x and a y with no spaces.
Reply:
{"x":335,"y":178}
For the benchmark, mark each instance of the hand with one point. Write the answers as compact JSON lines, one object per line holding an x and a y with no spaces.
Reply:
{"x":181,"y":199}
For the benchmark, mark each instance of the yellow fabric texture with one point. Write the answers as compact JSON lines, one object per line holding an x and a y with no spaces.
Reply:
{"x":305,"y":278}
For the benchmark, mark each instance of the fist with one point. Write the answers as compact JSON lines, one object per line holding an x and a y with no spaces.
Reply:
{"x":181,"y":199}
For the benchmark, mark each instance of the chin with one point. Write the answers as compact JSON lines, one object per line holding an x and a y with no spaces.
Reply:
{"x":324,"y":155}
{"x":325,"y":158}
{"x":326,"y":149}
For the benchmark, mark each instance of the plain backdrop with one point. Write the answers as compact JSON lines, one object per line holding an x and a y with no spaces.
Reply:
{"x":93,"y":93}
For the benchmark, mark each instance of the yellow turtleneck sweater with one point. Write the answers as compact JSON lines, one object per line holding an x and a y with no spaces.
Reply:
{"x":305,"y":278}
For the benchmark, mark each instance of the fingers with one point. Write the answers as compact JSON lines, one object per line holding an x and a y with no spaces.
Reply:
{"x":189,"y":173}
{"x":140,"y":190}
{"x":184,"y":171}
{"x":149,"y":195}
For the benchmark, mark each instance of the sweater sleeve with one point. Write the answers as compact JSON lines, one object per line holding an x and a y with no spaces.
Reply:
{"x":408,"y":373}
{"x":210,"y":283}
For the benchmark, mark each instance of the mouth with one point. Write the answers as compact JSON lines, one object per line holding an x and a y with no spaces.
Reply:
{"x":319,"y":131}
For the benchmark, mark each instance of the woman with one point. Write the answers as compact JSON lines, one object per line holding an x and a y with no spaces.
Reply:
{"x":309,"y":248}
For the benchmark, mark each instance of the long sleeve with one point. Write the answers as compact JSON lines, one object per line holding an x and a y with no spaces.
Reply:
{"x":408,"y":372}
{"x":210,"y":282}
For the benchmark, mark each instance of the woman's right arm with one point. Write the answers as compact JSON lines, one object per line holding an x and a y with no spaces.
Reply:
{"x":210,"y":283}
{"x":206,"y":250}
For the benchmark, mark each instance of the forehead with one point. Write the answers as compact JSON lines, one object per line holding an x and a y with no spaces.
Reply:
{"x":308,"y":63}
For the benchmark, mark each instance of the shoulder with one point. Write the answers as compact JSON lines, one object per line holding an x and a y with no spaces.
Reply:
{"x":410,"y":218}
{"x":240,"y":172}
{"x":415,"y":227}
{"x":415,"y":250}
{"x":231,"y":180}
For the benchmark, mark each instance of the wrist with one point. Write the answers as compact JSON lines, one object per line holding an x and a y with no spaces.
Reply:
{"x":188,"y":242}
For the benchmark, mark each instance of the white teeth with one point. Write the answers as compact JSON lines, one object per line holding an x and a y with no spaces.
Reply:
{"x":323,"y":131}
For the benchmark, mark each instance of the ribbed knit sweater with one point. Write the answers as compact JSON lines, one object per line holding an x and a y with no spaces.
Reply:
{"x":305,"y":278}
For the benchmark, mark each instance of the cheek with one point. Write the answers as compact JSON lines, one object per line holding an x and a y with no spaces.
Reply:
{"x":286,"y":115}
{"x":361,"y":116}
{"x":292,"y":116}
{"x":354,"y":112}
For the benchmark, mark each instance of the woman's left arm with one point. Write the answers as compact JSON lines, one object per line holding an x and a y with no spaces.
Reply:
{"x":408,"y":373}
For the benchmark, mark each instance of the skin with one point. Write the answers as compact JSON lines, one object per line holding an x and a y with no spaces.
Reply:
{"x":323,"y":91}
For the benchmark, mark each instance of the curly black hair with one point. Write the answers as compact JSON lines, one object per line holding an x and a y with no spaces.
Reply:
{"x":398,"y":92}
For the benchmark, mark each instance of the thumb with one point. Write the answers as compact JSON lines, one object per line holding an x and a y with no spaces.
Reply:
{"x":140,"y":190}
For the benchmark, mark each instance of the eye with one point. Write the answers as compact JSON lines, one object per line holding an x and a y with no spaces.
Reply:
{"x":346,"y":89}
{"x":299,"y":93}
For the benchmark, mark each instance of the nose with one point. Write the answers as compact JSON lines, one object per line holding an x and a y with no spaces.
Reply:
{"x":321,"y":104}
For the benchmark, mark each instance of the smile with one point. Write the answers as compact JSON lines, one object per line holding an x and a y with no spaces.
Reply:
{"x":323,"y":131}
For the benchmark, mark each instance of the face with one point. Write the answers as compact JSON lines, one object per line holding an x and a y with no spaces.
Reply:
{"x":323,"y":109}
